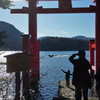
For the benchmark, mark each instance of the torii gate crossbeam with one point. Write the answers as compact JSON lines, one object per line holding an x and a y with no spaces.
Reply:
{"x":25,"y":10}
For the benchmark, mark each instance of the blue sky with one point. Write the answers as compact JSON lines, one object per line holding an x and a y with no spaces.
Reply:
{"x":61,"y":25}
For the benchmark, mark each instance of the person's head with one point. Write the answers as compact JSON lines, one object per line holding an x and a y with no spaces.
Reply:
{"x":69,"y":71}
{"x":81,"y":53}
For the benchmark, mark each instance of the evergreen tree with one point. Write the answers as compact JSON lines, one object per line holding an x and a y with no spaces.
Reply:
{"x":3,"y":36}
{"x":5,"y":4}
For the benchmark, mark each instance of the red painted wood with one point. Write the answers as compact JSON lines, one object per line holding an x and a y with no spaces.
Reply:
{"x":38,"y":59}
{"x":94,"y":45}
{"x":32,"y":21}
{"x":17,"y":97}
{"x":33,"y":42}
{"x":55,"y":10}
{"x":91,"y":56}
{"x":34,"y":76}
{"x":25,"y":75}
{"x":97,"y":35}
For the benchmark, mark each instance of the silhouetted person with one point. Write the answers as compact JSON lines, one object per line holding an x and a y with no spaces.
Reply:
{"x":81,"y":77}
{"x":97,"y":77}
{"x":67,"y":77}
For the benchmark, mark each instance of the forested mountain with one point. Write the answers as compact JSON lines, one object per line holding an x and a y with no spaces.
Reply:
{"x":83,"y":38}
{"x":13,"y":41}
{"x":63,"y":44}
{"x":47,"y":43}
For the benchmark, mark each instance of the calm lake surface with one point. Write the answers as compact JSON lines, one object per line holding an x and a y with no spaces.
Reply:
{"x":50,"y":70}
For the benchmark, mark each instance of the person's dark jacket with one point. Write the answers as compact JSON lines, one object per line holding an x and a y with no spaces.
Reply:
{"x":81,"y":75}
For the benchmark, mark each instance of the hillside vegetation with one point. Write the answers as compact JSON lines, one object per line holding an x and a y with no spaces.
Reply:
{"x":47,"y":43}
{"x":63,"y":44}
{"x":14,"y":40}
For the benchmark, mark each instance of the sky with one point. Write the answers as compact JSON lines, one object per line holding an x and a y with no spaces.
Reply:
{"x":57,"y":25}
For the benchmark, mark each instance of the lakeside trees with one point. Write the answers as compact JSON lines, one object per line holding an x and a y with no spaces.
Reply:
{"x":63,"y":44}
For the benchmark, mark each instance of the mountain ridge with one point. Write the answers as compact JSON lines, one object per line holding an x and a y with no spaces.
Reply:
{"x":14,"y":41}
{"x":81,"y":37}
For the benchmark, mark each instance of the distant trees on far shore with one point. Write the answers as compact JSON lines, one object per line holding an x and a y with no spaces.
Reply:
{"x":63,"y":44}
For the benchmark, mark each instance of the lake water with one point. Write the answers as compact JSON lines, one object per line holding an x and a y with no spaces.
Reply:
{"x":50,"y":70}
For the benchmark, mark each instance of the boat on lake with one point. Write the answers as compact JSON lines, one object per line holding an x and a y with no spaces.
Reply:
{"x":50,"y":55}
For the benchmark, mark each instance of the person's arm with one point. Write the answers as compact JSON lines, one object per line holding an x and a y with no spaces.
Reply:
{"x":71,"y":74}
{"x":72,"y":57}
{"x":88,"y":65}
{"x":63,"y":71}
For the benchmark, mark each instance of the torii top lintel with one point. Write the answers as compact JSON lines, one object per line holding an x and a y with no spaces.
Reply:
{"x":64,"y":6}
{"x":55,"y":10}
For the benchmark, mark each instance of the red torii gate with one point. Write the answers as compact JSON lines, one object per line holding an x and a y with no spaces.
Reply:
{"x":64,"y":7}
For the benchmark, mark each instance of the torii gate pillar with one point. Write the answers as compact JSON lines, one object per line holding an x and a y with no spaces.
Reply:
{"x":97,"y":35}
{"x":34,"y":44}
{"x":91,"y":49}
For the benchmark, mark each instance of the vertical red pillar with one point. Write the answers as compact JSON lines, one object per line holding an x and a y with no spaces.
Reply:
{"x":25,"y":75}
{"x":65,"y":4}
{"x":91,"y":49}
{"x":17,"y":97}
{"x":33,"y":21}
{"x":38,"y":59}
{"x":97,"y":36}
{"x":33,"y":41}
{"x":34,"y":76}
